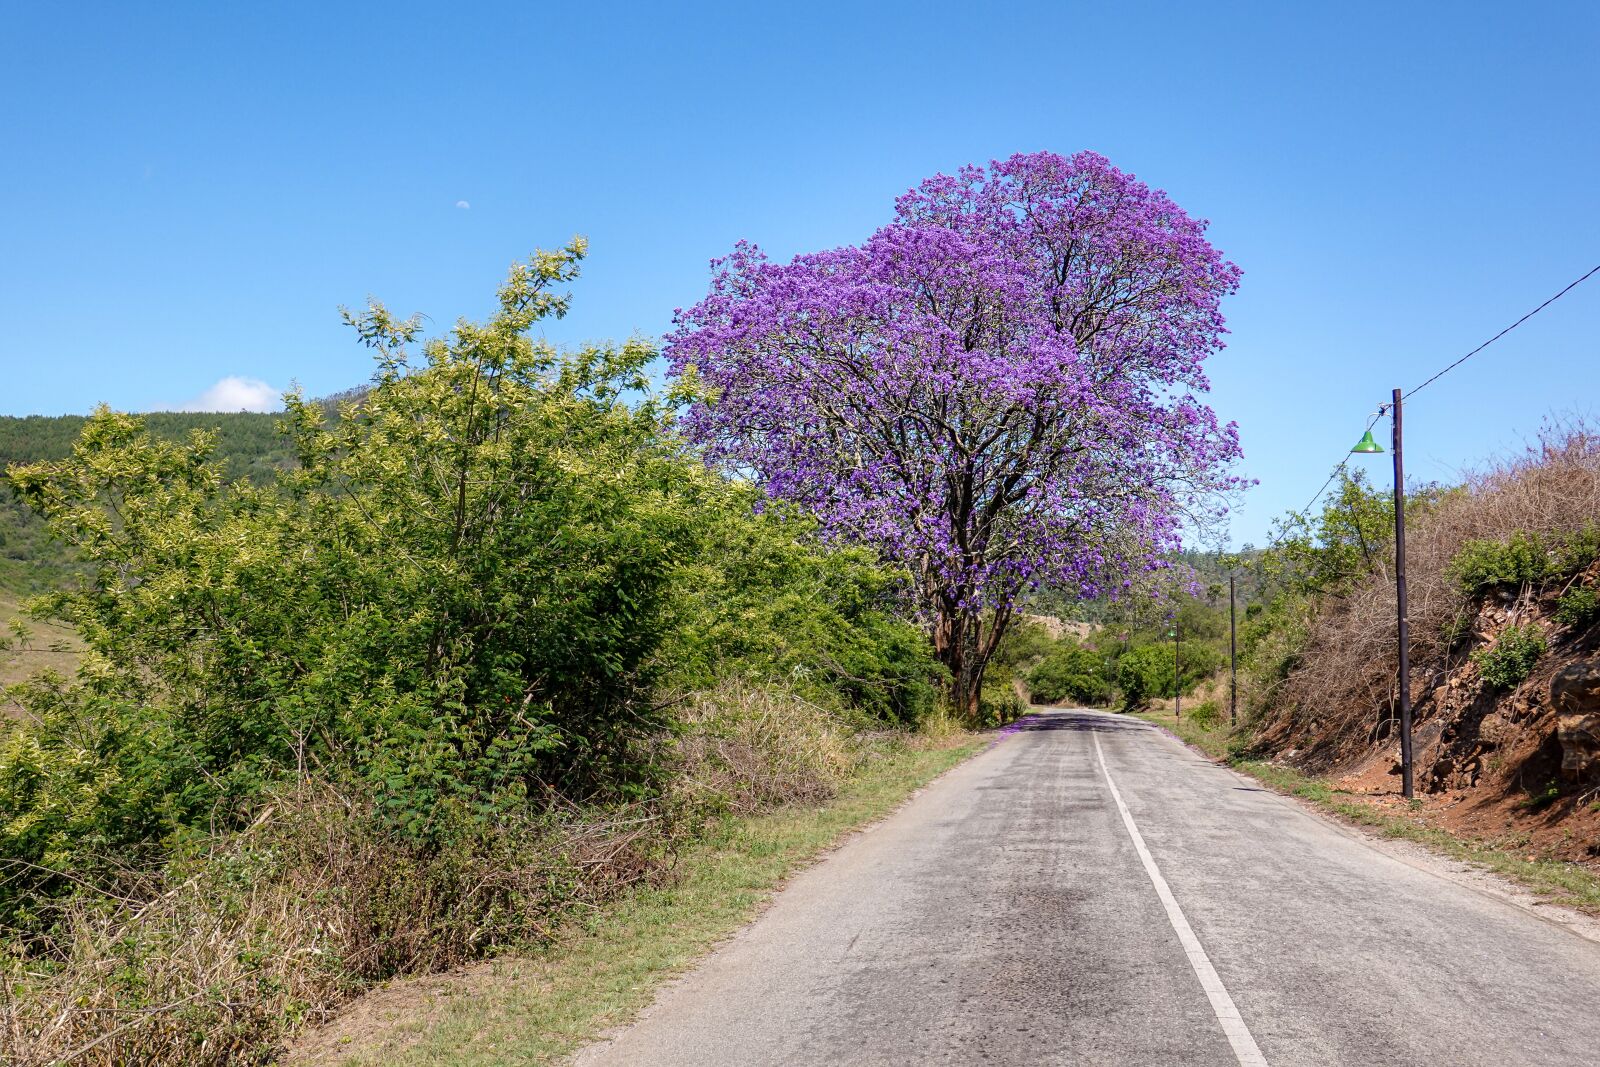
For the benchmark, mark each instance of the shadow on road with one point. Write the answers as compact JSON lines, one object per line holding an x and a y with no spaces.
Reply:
{"x":1083,"y":722}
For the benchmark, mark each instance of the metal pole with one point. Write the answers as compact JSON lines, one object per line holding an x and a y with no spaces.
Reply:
{"x":1233,"y":660}
{"x":1177,"y":675}
{"x":1406,"y":783}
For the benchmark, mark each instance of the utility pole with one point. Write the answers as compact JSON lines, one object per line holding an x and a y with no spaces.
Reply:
{"x":1177,"y":673}
{"x":1233,"y":660}
{"x":1407,"y":785}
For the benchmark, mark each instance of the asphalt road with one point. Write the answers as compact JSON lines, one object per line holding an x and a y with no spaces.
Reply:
{"x":1088,"y":891}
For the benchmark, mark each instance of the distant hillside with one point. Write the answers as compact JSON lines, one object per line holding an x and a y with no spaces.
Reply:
{"x":30,"y":562}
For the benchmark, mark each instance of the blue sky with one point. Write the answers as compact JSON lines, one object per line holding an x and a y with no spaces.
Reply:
{"x":188,"y":191}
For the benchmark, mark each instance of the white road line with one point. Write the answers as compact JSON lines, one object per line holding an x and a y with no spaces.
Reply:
{"x":1244,"y":1046}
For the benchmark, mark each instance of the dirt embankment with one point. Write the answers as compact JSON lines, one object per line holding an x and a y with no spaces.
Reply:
{"x":1515,"y":765}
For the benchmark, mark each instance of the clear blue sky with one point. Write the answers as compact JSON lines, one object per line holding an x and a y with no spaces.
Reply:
{"x":189,"y":190}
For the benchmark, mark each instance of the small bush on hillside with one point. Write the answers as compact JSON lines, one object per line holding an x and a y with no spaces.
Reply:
{"x":1578,"y":606}
{"x":1523,"y":559}
{"x":1206,"y":716}
{"x":1456,"y":629}
{"x":1071,"y":673}
{"x":1512,"y":657}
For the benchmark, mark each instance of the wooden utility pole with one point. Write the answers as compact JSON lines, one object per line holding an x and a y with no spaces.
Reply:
{"x":1233,"y":660}
{"x":1177,"y":672}
{"x":1407,"y":785}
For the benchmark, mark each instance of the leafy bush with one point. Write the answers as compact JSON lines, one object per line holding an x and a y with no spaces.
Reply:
{"x":1512,"y":657}
{"x":1070,"y":673}
{"x":1206,"y":715}
{"x":998,"y":703}
{"x":1456,"y":628}
{"x":763,"y":598}
{"x":1523,"y":559}
{"x":1578,"y":606}
{"x":1147,"y":671}
{"x":1143,"y":673}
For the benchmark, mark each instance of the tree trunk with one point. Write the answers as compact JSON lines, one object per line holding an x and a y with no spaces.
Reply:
{"x":961,"y":644}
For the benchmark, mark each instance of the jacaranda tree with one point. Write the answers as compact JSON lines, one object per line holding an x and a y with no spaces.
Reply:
{"x":996,"y":391}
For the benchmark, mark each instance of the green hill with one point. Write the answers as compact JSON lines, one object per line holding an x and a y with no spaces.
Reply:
{"x":30,"y":560}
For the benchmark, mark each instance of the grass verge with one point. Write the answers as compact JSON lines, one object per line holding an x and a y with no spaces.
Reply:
{"x":599,"y":974}
{"x":1556,"y":880}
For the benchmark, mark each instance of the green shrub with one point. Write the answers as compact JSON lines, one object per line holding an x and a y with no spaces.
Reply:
{"x":1206,"y":715}
{"x":1147,"y":671}
{"x":1523,"y":559}
{"x":1456,"y":629}
{"x":998,"y":703}
{"x":1483,"y":563}
{"x":1578,"y":550}
{"x":1578,"y":606}
{"x":1512,"y":657}
{"x":1142,"y":673}
{"x":762,"y":598}
{"x":1070,"y":673}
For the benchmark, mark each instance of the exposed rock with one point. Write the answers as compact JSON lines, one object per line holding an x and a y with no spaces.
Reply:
{"x":1575,"y":696}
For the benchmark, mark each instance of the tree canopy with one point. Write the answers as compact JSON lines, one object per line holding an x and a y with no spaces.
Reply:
{"x":997,"y":390}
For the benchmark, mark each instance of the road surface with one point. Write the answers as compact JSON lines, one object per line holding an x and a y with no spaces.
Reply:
{"x":1088,"y":891}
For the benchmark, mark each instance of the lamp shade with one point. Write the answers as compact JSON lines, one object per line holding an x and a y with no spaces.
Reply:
{"x":1367,"y":444}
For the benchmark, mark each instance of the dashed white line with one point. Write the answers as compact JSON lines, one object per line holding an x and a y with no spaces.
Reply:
{"x":1244,"y":1045}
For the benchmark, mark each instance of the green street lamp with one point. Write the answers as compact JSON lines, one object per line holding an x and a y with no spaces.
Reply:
{"x":1368,"y":446}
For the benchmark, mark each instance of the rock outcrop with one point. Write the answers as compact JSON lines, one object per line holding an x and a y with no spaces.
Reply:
{"x":1575,"y":697}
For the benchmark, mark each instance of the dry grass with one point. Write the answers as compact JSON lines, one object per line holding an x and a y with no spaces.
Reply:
{"x":218,"y":958}
{"x":223,"y":956}
{"x":747,"y":748}
{"x":49,"y":647}
{"x":537,"y":1009}
{"x":1346,"y":673}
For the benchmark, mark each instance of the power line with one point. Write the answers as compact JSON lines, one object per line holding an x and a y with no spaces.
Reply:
{"x":1379,"y":413}
{"x":1592,"y":272}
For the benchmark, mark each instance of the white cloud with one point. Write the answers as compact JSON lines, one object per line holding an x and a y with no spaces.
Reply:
{"x":463,"y":205}
{"x":234,"y":393}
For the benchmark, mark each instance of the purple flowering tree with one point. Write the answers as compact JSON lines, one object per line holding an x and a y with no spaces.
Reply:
{"x":997,"y":390}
